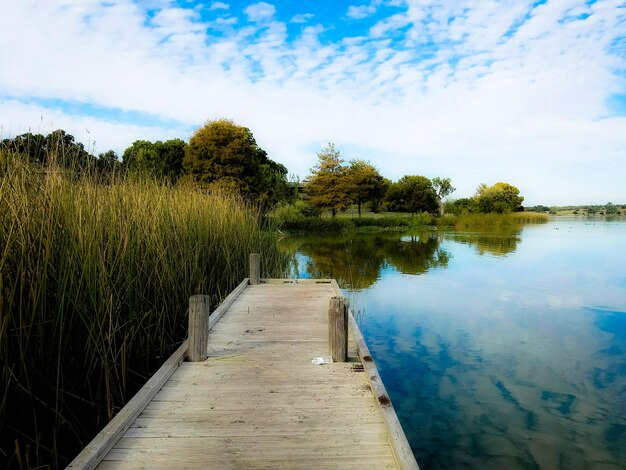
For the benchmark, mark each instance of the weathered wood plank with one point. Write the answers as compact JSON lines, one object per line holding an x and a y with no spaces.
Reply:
{"x":338,"y":329}
{"x":402,"y":450}
{"x":91,"y":455}
{"x":228,"y":301}
{"x":258,"y":401}
{"x":255,"y":269}
{"x":198,"y":334}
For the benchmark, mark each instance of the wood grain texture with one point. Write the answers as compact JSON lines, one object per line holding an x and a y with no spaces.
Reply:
{"x":255,"y":269}
{"x":258,"y":401}
{"x":338,"y":329}
{"x":199,"y":310}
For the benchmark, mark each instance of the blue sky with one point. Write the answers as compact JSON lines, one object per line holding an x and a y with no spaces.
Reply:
{"x":532,"y":93}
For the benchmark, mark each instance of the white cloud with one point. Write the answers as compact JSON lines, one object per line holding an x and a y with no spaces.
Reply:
{"x":480,"y":92}
{"x":219,"y":6}
{"x":98,"y":135}
{"x":301,"y":18}
{"x":389,"y":24}
{"x":360,"y":12}
{"x":260,"y":11}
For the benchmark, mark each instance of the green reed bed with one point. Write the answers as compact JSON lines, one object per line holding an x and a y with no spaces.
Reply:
{"x":94,"y":282}
{"x":492,"y":220}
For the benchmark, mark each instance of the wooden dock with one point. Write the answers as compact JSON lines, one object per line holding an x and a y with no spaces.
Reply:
{"x":258,"y":401}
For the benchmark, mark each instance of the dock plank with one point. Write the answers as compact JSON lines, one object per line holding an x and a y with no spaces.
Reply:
{"x":258,"y":401}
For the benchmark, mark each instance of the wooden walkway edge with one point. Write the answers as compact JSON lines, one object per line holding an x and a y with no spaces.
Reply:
{"x":178,"y":385}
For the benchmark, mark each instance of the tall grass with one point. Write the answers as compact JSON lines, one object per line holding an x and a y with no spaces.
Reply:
{"x":94,"y":280}
{"x":492,"y":220}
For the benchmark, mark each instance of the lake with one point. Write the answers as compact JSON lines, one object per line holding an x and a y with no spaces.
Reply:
{"x":501,"y":349}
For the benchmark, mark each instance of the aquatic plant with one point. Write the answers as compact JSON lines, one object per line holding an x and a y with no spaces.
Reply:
{"x":491,"y":220}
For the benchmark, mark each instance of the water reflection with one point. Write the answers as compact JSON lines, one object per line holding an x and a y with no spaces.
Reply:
{"x":500,"y":242}
{"x":356,"y":260}
{"x":514,"y":356}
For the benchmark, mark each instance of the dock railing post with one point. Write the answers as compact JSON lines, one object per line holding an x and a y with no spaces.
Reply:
{"x":255,"y":269}
{"x":198,"y":327}
{"x":338,"y":329}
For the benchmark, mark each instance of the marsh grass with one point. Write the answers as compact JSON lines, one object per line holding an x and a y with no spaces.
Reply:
{"x":94,"y":283}
{"x":472,"y":220}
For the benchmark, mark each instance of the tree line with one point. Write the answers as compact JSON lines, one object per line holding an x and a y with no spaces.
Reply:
{"x":222,"y":154}
{"x":335,"y":185}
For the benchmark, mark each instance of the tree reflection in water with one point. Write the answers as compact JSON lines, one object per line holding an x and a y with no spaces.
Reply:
{"x":496,"y":242}
{"x":356,"y":260}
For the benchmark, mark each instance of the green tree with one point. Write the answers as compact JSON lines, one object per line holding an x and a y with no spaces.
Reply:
{"x":58,"y":146}
{"x":160,"y":159}
{"x":538,"y":208}
{"x":108,"y":164}
{"x":63,"y":148}
{"x":330,"y":185}
{"x":413,"y":194}
{"x":32,"y":145}
{"x":443,"y":187}
{"x":369,"y":185}
{"x":500,"y":198}
{"x":611,"y":209}
{"x":462,"y":206}
{"x":224,"y":154}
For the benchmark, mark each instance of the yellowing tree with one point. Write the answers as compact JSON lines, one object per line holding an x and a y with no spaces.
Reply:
{"x":369,"y":185}
{"x":224,"y":154}
{"x":330,"y":185}
{"x":500,"y":198}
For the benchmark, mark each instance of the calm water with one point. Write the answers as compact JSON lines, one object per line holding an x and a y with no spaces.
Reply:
{"x":502,"y":350}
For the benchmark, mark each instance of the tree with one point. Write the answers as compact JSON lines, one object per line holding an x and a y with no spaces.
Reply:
{"x":32,"y":145}
{"x":538,"y":208}
{"x":222,"y":153}
{"x":369,"y":185}
{"x":330,"y":185}
{"x":63,"y":148}
{"x":611,"y":209}
{"x":159,"y":159}
{"x":462,"y":206}
{"x":413,"y":194}
{"x":500,"y":198}
{"x":108,"y":164}
{"x":58,"y":146}
{"x":443,"y":187}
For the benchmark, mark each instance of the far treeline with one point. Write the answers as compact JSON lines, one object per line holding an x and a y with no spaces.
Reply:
{"x":219,"y":155}
{"x":335,"y":185}
{"x":222,"y":154}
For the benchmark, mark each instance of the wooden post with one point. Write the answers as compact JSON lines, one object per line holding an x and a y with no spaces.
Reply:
{"x":338,"y":329}
{"x":198,"y":327}
{"x":255,"y":269}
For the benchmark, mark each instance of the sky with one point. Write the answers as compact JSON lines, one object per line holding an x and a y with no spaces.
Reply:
{"x":532,"y":93}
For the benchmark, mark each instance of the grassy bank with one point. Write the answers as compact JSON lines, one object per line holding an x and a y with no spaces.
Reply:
{"x":292,"y":219}
{"x":289,"y":218}
{"x":94,"y":280}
